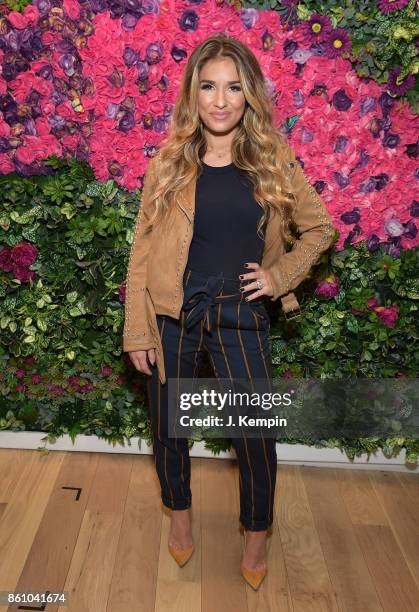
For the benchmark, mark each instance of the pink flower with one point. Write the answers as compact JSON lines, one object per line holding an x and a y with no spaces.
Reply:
{"x":20,"y":373}
{"x":106,"y":370}
{"x":388,"y":315}
{"x":29,"y":360}
{"x":74,"y":381}
{"x":72,"y":8}
{"x":89,"y":386}
{"x":389,"y":6}
{"x":23,"y":274}
{"x":24,"y":254}
{"x":55,"y":389}
{"x":29,"y":17}
{"x":328,"y":288}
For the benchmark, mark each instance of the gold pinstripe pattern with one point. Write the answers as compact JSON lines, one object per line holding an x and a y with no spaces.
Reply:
{"x":179,"y":352}
{"x":244,"y":435}
{"x":158,"y":429}
{"x":262,"y":352}
{"x":263,"y":439}
{"x":199,"y":348}
{"x":230,"y":376}
{"x":158,"y":405}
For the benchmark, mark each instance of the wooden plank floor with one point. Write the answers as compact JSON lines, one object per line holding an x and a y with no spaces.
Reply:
{"x":93,"y":524}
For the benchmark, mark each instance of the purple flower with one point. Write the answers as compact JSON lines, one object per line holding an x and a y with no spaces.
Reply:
{"x":316,"y":28}
{"x":373,"y":243}
{"x":377,"y":182}
{"x":189,"y":21}
{"x":389,"y":6}
{"x":396,"y":88}
{"x":368,"y":104}
{"x":289,"y":47}
{"x":411,"y":230}
{"x":393,"y":249}
{"x":340,"y":144}
{"x":391,"y":140}
{"x":412,"y":149}
{"x":341,"y":179}
{"x":414,"y":208}
{"x":249,"y":17}
{"x":341,"y":101}
{"x":300,"y":56}
{"x":394,"y":228}
{"x":350,"y":217}
{"x":127,"y":122}
{"x":337,"y":42}
{"x":386,"y":103}
{"x":131,"y":57}
{"x":154,"y":53}
{"x":178,"y":54}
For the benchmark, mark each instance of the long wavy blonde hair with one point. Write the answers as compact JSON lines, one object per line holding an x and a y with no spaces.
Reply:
{"x":257,"y":148}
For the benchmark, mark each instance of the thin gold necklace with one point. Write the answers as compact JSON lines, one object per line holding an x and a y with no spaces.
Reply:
{"x":211,"y":149}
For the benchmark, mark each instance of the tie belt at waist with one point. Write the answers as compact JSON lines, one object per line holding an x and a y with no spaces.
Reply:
{"x":202,"y":293}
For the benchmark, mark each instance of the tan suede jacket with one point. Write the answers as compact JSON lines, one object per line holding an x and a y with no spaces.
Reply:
{"x":158,"y":258}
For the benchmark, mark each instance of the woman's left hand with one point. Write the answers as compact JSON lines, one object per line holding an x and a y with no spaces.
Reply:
{"x":260,"y":274}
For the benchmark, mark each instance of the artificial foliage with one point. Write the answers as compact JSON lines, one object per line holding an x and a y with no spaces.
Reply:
{"x":65,"y":244}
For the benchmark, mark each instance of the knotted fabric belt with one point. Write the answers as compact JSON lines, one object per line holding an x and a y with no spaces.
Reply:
{"x":202,"y":293}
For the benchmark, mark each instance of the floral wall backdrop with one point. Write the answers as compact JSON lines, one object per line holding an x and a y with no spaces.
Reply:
{"x":86,"y":92}
{"x":79,"y":80}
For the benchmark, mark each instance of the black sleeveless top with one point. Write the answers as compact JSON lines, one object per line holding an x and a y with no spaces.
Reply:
{"x":225,"y":226}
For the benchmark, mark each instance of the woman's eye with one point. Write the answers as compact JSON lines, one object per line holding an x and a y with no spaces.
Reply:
{"x":235,"y":87}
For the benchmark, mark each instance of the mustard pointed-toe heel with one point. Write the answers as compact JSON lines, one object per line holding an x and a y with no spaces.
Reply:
{"x":253,"y":578}
{"x":181,"y":555}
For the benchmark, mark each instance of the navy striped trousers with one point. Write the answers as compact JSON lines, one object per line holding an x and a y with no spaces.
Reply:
{"x":215,"y":318}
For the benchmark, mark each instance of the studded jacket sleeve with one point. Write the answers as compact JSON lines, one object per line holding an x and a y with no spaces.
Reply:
{"x":134,"y":337}
{"x":314,"y":226}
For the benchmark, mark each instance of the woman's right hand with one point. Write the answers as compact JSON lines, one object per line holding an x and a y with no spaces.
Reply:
{"x":139,"y":360}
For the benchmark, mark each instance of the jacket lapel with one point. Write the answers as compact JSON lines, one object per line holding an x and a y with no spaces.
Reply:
{"x":187,"y":206}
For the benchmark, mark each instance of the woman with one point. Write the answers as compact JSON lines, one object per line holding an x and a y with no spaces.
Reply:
{"x":208,"y":249}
